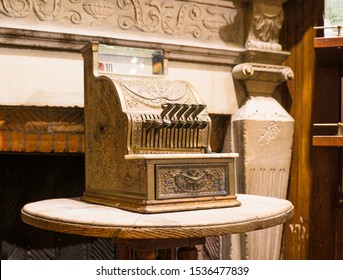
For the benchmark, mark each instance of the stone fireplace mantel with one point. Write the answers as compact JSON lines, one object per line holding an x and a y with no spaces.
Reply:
{"x":228,"y":49}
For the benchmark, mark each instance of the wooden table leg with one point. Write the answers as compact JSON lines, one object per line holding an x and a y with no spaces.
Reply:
{"x":147,"y":255}
{"x":123,"y":252}
{"x":187,"y":253}
{"x":147,"y":249}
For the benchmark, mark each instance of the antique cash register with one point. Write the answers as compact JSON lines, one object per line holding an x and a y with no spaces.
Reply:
{"x":148,"y":137}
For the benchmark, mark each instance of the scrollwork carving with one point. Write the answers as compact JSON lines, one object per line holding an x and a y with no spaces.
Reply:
{"x":185,"y":18}
{"x":47,"y":10}
{"x":151,"y":92}
{"x":16,"y":9}
{"x":175,"y":17}
{"x":191,"y":180}
{"x":144,"y":19}
{"x":44,"y":10}
{"x":176,"y":25}
{"x":287,"y":74}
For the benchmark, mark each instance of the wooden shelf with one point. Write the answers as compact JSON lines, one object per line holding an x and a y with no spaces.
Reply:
{"x":328,"y":42}
{"x":328,"y":141}
{"x":329,"y":51}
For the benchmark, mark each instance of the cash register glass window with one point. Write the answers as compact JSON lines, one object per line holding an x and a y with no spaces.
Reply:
{"x":124,"y":60}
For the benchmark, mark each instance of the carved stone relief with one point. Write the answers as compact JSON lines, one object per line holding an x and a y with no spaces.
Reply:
{"x":265,"y":24}
{"x":53,"y":10}
{"x":215,"y":20}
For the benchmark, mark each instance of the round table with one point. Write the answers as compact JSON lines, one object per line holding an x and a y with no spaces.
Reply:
{"x":146,"y":233}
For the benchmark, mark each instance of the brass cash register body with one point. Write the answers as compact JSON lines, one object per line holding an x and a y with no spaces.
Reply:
{"x":147,"y":141}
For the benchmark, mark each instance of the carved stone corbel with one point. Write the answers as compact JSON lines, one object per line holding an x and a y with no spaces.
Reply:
{"x":266,"y":18}
{"x":263,"y":25}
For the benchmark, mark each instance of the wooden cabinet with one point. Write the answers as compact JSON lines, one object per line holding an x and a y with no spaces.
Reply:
{"x":329,"y":53}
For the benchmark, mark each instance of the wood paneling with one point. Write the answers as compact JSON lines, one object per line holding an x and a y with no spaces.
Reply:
{"x":339,"y":239}
{"x":220,"y":125}
{"x":329,"y":51}
{"x":314,"y":98}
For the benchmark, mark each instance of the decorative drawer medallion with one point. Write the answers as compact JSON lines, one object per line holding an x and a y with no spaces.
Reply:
{"x":191,"y":180}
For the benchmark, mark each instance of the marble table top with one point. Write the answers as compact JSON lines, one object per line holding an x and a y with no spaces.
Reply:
{"x":71,"y":215}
